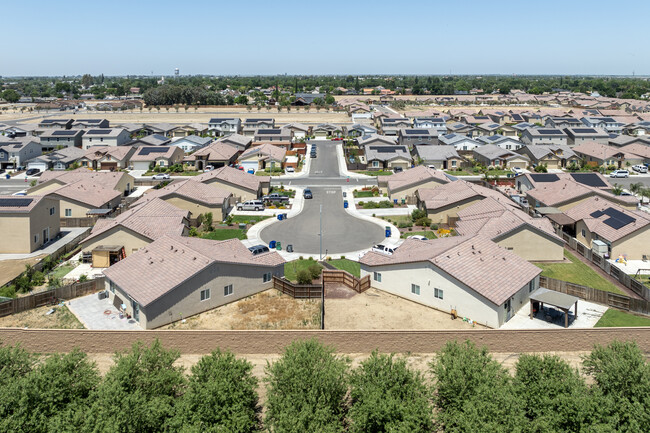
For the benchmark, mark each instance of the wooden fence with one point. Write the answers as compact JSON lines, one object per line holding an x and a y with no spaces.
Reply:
{"x":50,"y":297}
{"x":298,"y":291}
{"x":359,"y":285}
{"x":78,"y":222}
{"x":620,"y":302}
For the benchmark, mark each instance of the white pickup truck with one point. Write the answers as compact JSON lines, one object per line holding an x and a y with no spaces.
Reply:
{"x":383,"y":249}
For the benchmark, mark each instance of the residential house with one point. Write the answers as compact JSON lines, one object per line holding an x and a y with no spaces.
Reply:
{"x":435,"y":273}
{"x":175,"y":277}
{"x":603,"y":123}
{"x":58,"y":138}
{"x":90,"y":123}
{"x":164,"y":129}
{"x":392,"y":125}
{"x":402,"y":186}
{"x":105,"y":137}
{"x":150,"y":140}
{"x":520,"y":127}
{"x":437,"y":123}
{"x":298,"y":129}
{"x":107,"y":157}
{"x":642,"y":150}
{"x":375,"y":139}
{"x":491,"y":155}
{"x":360,"y":130}
{"x":52,"y":180}
{"x":134,"y":229}
{"x":191,"y":143}
{"x":603,"y":154}
{"x":461,"y":128}
{"x":224,"y":126}
{"x":563,"y":122}
{"x":440,"y":157}
{"x":56,"y":123}
{"x":326,"y":130}
{"x":56,"y":160}
{"x":307,"y":98}
{"x":244,"y":186}
{"x":544,"y":136}
{"x":17,"y":152}
{"x":27,"y":223}
{"x":146,"y":157}
{"x":624,"y":140}
{"x":252,"y":125}
{"x":577,"y":136}
{"x":550,"y":155}
{"x":276,"y":136}
{"x":459,"y":141}
{"x":191,"y":129}
{"x":216,"y":154}
{"x":262,"y":157}
{"x":387,"y":157}
{"x":485,"y":129}
{"x":637,"y":129}
{"x":413,"y":137}
{"x":507,"y":143}
{"x":241,"y":142}
{"x":77,"y":199}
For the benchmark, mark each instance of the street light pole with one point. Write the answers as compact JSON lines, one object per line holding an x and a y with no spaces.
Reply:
{"x":320,"y":254}
{"x":320,"y":235}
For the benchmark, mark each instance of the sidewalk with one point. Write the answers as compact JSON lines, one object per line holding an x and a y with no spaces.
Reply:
{"x":343,"y":168}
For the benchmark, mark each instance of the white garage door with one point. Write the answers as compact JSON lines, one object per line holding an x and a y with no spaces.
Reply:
{"x":249,"y":165}
{"x":37,"y":165}
{"x":141,"y":165}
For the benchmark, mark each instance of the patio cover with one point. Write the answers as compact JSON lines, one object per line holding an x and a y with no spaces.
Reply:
{"x":559,"y":300}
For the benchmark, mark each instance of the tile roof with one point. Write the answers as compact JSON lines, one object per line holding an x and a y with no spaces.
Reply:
{"x":98,"y":152}
{"x":170,"y":261}
{"x":196,"y":191}
{"x":237,"y":139}
{"x":540,"y":151}
{"x":19,"y":204}
{"x":566,"y":189}
{"x":265,"y":151}
{"x":106,"y":179}
{"x":217,"y":151}
{"x":93,"y":194}
{"x":144,"y":153}
{"x":413,"y":176}
{"x":457,"y":191}
{"x":386,"y":153}
{"x":372,"y":138}
{"x":152,"y":219}
{"x":492,"y":151}
{"x":475,"y":261}
{"x":637,"y":149}
{"x":601,"y":151}
{"x":234,"y":177}
{"x":596,"y":223}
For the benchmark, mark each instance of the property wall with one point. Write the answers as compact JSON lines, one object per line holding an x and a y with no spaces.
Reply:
{"x":196,"y":208}
{"x":532,"y":246}
{"x":439,"y":216}
{"x":397,"y":279}
{"x":120,"y":236}
{"x":634,"y":246}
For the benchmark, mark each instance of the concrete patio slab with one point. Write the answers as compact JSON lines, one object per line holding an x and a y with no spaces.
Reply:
{"x":98,"y":314}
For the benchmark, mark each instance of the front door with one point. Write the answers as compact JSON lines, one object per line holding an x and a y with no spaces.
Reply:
{"x":508,"y":307}
{"x":46,"y":235}
{"x":136,"y":310}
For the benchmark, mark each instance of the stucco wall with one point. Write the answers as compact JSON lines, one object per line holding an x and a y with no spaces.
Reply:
{"x":532,"y":246}
{"x":439,"y":216}
{"x":79,"y":210}
{"x":17,"y":230}
{"x":245,"y":194}
{"x":633,"y":246}
{"x":131,"y":241}
{"x":196,"y":208}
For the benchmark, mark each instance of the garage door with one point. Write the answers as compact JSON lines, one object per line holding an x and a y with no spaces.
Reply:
{"x":109,"y":166}
{"x":37,"y":165}
{"x":518,"y":164}
{"x":552,"y":164}
{"x":140,"y":165}
{"x":249,"y":165}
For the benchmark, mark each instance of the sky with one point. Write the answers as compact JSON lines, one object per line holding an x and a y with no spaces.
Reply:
{"x":251,"y":37}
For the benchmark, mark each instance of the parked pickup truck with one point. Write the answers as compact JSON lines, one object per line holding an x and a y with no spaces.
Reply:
{"x":275,"y":197}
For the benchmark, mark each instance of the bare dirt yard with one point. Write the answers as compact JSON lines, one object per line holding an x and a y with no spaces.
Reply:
{"x":374,"y":309}
{"x":37,"y":318}
{"x":267,"y":310}
{"x":10,"y":269}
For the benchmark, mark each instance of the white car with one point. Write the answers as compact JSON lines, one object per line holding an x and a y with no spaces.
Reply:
{"x":640,"y":168}
{"x":256,"y":205}
{"x":619,"y":173}
{"x":289,"y":170}
{"x":418,"y":237}
{"x":160,"y":176}
{"x":517,"y":170}
{"x":383,"y":249}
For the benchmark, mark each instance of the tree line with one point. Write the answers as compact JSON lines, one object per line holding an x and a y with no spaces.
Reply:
{"x":311,"y":389}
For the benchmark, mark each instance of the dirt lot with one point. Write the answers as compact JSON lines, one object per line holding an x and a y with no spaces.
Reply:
{"x":10,"y":269}
{"x":375,"y":309}
{"x":267,"y":310}
{"x":62,"y":318}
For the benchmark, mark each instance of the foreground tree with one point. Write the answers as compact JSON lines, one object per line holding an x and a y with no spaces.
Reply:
{"x":305,"y":390}
{"x":388,"y":397}
{"x":221,"y":397}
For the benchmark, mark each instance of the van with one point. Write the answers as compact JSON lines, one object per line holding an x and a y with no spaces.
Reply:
{"x":258,"y":249}
{"x":251,"y":205}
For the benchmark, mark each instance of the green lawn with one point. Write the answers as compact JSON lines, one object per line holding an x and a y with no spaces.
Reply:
{"x":397,"y":219}
{"x":291,"y":193}
{"x":644,"y":278}
{"x":577,"y":272}
{"x":459,"y":173}
{"x":427,"y":234}
{"x":61,"y":271}
{"x":291,"y":268}
{"x":347,"y":265}
{"x":363,"y":194}
{"x":223,"y":234}
{"x":614,"y":318}
{"x":236,"y":219}
{"x":375,"y":173}
{"x":499,"y":172}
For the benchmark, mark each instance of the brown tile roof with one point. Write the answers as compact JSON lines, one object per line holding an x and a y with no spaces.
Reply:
{"x":170,"y":261}
{"x":566,"y":189}
{"x":143,"y":153}
{"x":104,"y":178}
{"x":475,"y":261}
{"x":637,"y":149}
{"x":457,"y":191}
{"x":596,"y":223}
{"x":413,"y":176}
{"x":92,"y":194}
{"x":234,"y":177}
{"x":98,"y":152}
{"x":601,"y":151}
{"x":152,"y":219}
{"x":195,"y":191}
{"x":265,"y":151}
{"x":11,"y":203}
{"x":217,"y":151}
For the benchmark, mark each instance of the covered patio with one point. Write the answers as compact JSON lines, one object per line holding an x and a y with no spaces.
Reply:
{"x":560,"y":301}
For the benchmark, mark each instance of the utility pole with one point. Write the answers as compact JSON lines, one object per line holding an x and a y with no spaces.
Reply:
{"x":320,"y":254}
{"x":320,"y":235}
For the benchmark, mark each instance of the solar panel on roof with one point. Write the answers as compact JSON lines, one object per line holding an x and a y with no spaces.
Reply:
{"x":585,"y":130}
{"x":269,"y":131}
{"x":15,"y":202}
{"x":549,"y":131}
{"x":64,"y":132}
{"x":98,"y":132}
{"x":148,"y":150}
{"x":545,"y":177}
{"x":616,"y":220}
{"x":589,"y":179}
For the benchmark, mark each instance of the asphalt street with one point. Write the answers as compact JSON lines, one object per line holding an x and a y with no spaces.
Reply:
{"x":341,"y":231}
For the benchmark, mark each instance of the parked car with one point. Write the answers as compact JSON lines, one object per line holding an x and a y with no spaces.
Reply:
{"x":313,"y":155}
{"x":640,"y":168}
{"x":208,"y":168}
{"x":160,"y":176}
{"x":418,"y":237}
{"x":258,"y":249}
{"x":32,"y":171}
{"x":289,"y":170}
{"x":383,"y":249}
{"x":275,"y":197}
{"x":619,"y":173}
{"x":517,"y":170}
{"x":251,"y":205}
{"x":307,"y":193}
{"x":398,"y":169}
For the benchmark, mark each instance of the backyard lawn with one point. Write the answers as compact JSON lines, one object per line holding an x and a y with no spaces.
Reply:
{"x":291,"y":268}
{"x":577,"y":272}
{"x":427,"y":234}
{"x":459,"y":173}
{"x":236,"y":219}
{"x":223,"y":234}
{"x":61,"y":271}
{"x":398,"y":219}
{"x":347,"y":265}
{"x":368,"y":193}
{"x":613,"y":318}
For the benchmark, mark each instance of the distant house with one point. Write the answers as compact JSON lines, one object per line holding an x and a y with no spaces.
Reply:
{"x":403,"y":185}
{"x":606,"y":124}
{"x":162,"y":156}
{"x":359,"y":130}
{"x":491,"y":128}
{"x":104,"y":137}
{"x":56,"y":123}
{"x":262,"y":157}
{"x":241,"y":142}
{"x":562,"y":122}
{"x":507,"y":143}
{"x":602,"y":154}
{"x":107,"y":157}
{"x":461,"y":128}
{"x":278,"y":136}
{"x":326,"y":130}
{"x":216,"y":154}
{"x":223,"y":126}
{"x":252,"y":125}
{"x":27,"y":223}
{"x":90,"y":123}
{"x":191,"y":129}
{"x":544,"y":136}
{"x":491,"y":155}
{"x":437,"y":123}
{"x":56,"y":160}
{"x":459,"y":141}
{"x":307,"y":98}
{"x":414,"y":137}
{"x":376,"y":139}
{"x":191,"y":143}
{"x":435,"y":273}
{"x":577,"y":136}
{"x":242,"y":185}
{"x":17,"y":152}
{"x":298,"y":129}
{"x":392,"y":125}
{"x":440,"y":157}
{"x":150,"y":140}
{"x":57,"y":138}
{"x":387,"y":157}
{"x":550,"y":155}
{"x":164,"y":129}
{"x":638,"y":129}
{"x":174,"y":278}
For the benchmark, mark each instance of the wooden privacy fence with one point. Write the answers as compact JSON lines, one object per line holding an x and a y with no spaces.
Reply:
{"x":298,"y":291}
{"x":50,"y":297}
{"x":620,"y":302}
{"x":359,"y":285}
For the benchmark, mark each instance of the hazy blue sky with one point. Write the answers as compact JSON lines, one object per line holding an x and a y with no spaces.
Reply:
{"x":324,"y":37}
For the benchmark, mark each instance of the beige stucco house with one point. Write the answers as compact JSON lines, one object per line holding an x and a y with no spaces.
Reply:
{"x":404,"y":185}
{"x":244,"y":186}
{"x":27,"y":223}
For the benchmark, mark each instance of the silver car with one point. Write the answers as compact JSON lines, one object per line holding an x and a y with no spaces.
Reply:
{"x":251,"y":205}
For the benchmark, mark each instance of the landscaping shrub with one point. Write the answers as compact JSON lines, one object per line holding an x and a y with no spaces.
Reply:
{"x":303,"y":276}
{"x":424,"y":222}
{"x":38,"y":278}
{"x":611,"y":167}
{"x":418,"y":214}
{"x":193,"y":232}
{"x":314,"y":271}
{"x":434,"y":226}
{"x":207,"y":221}
{"x":8,"y":291}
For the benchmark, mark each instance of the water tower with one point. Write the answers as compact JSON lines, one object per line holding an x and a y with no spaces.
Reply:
{"x":176,"y":72}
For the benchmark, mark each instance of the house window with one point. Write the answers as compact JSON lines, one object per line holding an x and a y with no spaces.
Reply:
{"x":438,"y":293}
{"x":111,"y":286}
{"x":376,"y":276}
{"x":161,"y":163}
{"x":227,"y":291}
{"x":375,"y":163}
{"x":584,"y":234}
{"x":52,"y":210}
{"x":453,"y":163}
{"x":36,"y":238}
{"x":531,"y":286}
{"x":205,"y":294}
{"x":266,"y":277}
{"x":68,"y":212}
{"x":415,"y":289}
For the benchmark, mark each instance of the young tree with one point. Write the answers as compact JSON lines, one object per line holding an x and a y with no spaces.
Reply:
{"x":387,"y":396}
{"x":221,"y":396}
{"x":305,"y":389}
